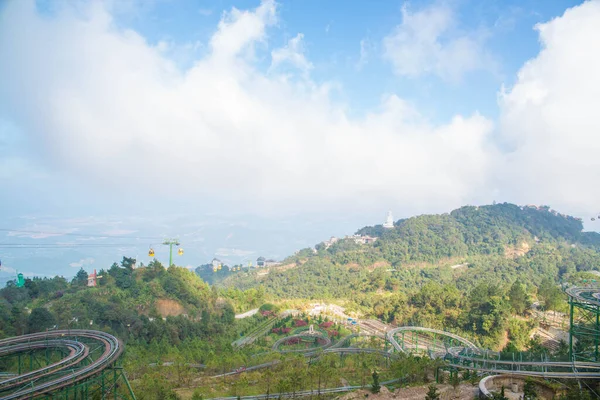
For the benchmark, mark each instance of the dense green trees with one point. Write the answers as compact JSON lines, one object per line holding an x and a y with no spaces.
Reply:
{"x":81,"y":278}
{"x":518,"y":298}
{"x":40,"y":319}
{"x":551,"y":295}
{"x":125,"y":302}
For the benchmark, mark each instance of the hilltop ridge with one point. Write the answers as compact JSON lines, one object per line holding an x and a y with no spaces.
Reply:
{"x":499,"y":241}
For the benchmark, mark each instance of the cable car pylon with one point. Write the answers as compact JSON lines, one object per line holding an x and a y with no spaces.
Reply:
{"x":171,"y":243}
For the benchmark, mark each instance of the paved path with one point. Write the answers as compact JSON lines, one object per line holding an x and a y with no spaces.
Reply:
{"x":246,"y":314}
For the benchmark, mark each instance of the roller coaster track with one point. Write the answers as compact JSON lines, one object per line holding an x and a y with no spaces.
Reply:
{"x":77,"y":367}
{"x":589,"y":295}
{"x":469,"y":356}
{"x":392,"y":333}
{"x":78,"y":351}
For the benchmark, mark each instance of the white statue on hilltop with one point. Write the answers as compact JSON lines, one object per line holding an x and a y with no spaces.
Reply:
{"x":389,"y":222}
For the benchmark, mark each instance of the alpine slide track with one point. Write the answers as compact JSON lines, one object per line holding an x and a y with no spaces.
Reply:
{"x":459,"y":353}
{"x":63,"y":364}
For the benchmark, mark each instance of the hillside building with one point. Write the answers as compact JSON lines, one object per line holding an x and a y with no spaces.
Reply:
{"x":263,"y":262}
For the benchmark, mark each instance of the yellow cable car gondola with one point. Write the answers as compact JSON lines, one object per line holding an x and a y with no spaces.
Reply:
{"x":219,"y":267}
{"x":180,"y":251}
{"x":151,"y":252}
{"x":214,"y":269}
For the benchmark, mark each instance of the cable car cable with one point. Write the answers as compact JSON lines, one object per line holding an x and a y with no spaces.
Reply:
{"x":80,"y":234}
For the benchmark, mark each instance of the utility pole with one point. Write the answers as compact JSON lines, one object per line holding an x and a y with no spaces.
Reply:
{"x":171,"y":243}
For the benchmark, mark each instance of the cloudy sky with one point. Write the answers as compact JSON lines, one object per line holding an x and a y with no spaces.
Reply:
{"x":252,"y":127}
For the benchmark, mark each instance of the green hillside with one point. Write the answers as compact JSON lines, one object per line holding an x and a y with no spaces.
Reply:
{"x":452,"y":270}
{"x":127,"y":301}
{"x":161,"y":314}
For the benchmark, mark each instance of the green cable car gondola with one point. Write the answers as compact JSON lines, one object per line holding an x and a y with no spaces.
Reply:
{"x":20,"y":280}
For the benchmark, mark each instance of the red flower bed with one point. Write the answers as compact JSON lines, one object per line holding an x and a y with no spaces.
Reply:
{"x":333,"y":333}
{"x":326,"y":325}
{"x":299,"y":322}
{"x":281,"y":330}
{"x":293,"y":341}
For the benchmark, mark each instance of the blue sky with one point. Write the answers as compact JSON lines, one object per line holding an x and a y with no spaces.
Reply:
{"x":333,"y":32}
{"x":299,"y":119}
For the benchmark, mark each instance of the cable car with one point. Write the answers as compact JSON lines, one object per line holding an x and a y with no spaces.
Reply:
{"x":593,"y":219}
{"x":180,"y":251}
{"x":214,"y":269}
{"x":20,"y":280}
{"x":219,"y":267}
{"x":151,"y":252}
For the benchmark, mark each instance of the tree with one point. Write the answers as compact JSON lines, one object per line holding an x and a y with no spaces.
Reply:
{"x":550,"y":294}
{"x":18,"y":319}
{"x":432,"y":394}
{"x":455,"y":380}
{"x":529,"y":391}
{"x":268,"y":380}
{"x":499,"y":396}
{"x":81,"y":278}
{"x":375,"y":388}
{"x":283,"y":386}
{"x":40,"y":319}
{"x":128,"y":263}
{"x":518,"y":298}
{"x":197,"y":395}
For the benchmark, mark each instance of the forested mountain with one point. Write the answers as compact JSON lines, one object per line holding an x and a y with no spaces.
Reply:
{"x":453,"y":270}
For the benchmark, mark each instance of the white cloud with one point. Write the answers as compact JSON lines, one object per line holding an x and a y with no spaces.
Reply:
{"x":104,"y":104}
{"x":292,"y":53}
{"x":550,"y":121}
{"x":6,"y":269}
{"x":427,"y":42}
{"x":239,"y":30}
{"x":364,"y":54}
{"x":222,"y":128}
{"x":83,"y":262}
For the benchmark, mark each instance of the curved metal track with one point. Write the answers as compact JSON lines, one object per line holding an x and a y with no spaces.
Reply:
{"x":589,"y":295}
{"x":53,"y":377}
{"x":469,"y":356}
{"x":78,"y":351}
{"x":390,"y":336}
